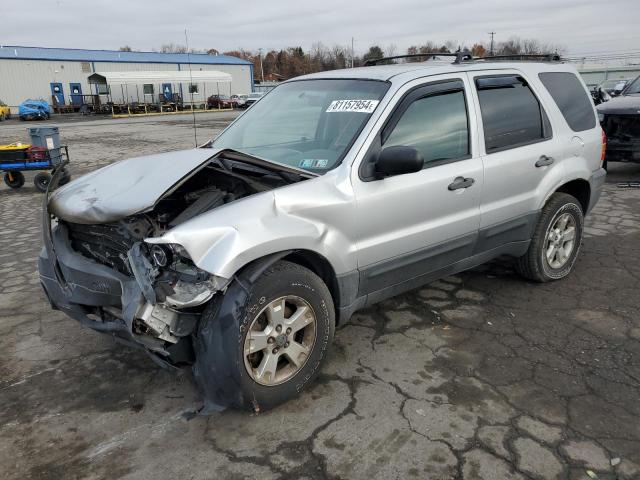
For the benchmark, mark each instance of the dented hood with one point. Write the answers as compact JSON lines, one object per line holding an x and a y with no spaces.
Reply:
{"x":126,"y":187}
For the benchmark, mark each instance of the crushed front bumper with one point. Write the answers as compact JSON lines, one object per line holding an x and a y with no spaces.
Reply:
{"x":82,"y":288}
{"x":98,"y":296}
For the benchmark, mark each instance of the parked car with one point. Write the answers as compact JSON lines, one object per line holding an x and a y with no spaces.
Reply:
{"x":620,"y":120}
{"x":335,"y":191}
{"x":252,"y":98}
{"x":240,"y":100}
{"x":5,"y":111}
{"x":220,"y":101}
{"x":34,"y":110}
{"x":609,"y":89}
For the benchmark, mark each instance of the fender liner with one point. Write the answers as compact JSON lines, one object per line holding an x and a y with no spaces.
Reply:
{"x":213,"y":355}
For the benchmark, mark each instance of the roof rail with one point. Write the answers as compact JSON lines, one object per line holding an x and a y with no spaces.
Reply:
{"x":539,"y":57}
{"x":460,"y":57}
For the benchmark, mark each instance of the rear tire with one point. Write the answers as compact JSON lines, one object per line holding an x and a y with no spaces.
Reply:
{"x":42,"y":181}
{"x":556,"y":240}
{"x":251,"y":343}
{"x":14,"y":179}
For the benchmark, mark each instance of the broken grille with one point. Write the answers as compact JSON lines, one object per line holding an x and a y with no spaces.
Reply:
{"x":106,"y":244}
{"x":622,"y":127}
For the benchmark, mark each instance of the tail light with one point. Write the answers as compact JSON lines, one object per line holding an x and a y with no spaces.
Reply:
{"x":604,"y":147}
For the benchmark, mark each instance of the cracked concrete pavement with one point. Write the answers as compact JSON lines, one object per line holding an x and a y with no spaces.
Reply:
{"x":477,"y":376}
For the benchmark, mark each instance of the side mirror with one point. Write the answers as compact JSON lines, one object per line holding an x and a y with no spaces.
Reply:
{"x":398,"y":160}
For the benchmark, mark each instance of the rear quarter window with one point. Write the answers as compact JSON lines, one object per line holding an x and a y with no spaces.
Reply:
{"x":572,"y":100}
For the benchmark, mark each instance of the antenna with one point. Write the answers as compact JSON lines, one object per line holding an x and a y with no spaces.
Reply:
{"x":193,"y":112}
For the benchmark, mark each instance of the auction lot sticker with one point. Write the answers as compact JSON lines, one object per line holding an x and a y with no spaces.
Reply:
{"x":359,"y":106}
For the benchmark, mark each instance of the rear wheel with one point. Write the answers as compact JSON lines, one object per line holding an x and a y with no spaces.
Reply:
{"x":42,"y":181}
{"x":556,"y":240}
{"x":14,"y":179}
{"x":275,"y":339}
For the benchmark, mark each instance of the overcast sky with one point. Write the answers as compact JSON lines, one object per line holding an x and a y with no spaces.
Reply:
{"x":580,"y":26}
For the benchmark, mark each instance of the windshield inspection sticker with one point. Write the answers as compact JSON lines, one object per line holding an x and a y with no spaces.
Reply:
{"x":360,"y":106}
{"x":314,"y":163}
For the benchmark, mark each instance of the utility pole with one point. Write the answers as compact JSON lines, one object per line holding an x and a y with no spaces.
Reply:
{"x":491,"y":48}
{"x":351,"y":52}
{"x":261,"y":69}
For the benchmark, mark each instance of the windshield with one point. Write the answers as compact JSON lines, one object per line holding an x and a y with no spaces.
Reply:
{"x":308,"y":124}
{"x":633,"y":88}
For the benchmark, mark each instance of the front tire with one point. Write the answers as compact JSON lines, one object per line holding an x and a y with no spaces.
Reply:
{"x":556,"y":240}
{"x":264,"y":342}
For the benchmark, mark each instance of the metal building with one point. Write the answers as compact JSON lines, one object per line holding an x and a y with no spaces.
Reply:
{"x":44,"y":73}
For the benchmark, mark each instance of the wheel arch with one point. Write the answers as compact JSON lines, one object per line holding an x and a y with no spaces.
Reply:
{"x":310,"y":259}
{"x":580,"y":189}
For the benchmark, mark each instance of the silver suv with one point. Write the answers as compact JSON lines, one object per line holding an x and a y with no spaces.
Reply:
{"x":333,"y":192}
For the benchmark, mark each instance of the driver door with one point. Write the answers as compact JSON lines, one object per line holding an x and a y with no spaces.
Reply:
{"x":413,"y":225}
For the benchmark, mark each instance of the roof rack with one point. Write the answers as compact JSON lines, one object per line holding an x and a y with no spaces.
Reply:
{"x":460,"y":57}
{"x":540,"y":57}
{"x":466,"y":56}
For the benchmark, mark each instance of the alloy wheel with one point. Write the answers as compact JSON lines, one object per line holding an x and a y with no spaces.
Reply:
{"x":280,"y":340}
{"x":560,"y":241}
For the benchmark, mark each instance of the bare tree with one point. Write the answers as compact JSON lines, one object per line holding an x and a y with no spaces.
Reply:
{"x":173,"y":48}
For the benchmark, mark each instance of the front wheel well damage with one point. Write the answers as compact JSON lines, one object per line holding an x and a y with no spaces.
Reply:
{"x":322,"y":268}
{"x":580,"y":189}
{"x":305,"y":258}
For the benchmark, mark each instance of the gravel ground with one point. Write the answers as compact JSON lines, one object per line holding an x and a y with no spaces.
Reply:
{"x":478,"y":376}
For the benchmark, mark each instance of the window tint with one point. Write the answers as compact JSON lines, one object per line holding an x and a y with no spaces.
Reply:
{"x":568,"y":93}
{"x":435,"y":125}
{"x":511,"y":114}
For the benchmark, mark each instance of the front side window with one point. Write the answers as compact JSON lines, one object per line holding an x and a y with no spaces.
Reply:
{"x":572,"y":100}
{"x":436,"y":126}
{"x":511,"y":114}
{"x":308,"y":124}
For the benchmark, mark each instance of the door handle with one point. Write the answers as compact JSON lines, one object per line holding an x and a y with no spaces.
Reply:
{"x":461,"y":182}
{"x":544,"y":161}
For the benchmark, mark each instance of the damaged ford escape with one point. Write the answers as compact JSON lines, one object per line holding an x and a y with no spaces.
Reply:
{"x":335,"y":191}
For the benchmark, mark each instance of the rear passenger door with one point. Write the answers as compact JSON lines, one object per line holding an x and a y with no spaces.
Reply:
{"x":520,"y":156}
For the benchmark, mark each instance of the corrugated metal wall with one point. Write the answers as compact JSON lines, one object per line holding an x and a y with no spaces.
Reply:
{"x":23,"y":79}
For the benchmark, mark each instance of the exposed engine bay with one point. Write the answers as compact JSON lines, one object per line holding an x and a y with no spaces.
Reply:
{"x":175,"y":290}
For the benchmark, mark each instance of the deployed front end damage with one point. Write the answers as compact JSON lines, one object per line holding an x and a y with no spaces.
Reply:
{"x":109,"y":274}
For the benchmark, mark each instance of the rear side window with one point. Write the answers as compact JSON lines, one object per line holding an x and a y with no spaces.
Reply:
{"x":437,"y":126}
{"x":511,"y":114}
{"x":568,"y":93}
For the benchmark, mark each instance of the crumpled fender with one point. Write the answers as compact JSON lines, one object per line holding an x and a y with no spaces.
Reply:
{"x":215,"y":369}
{"x":309,"y":215}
